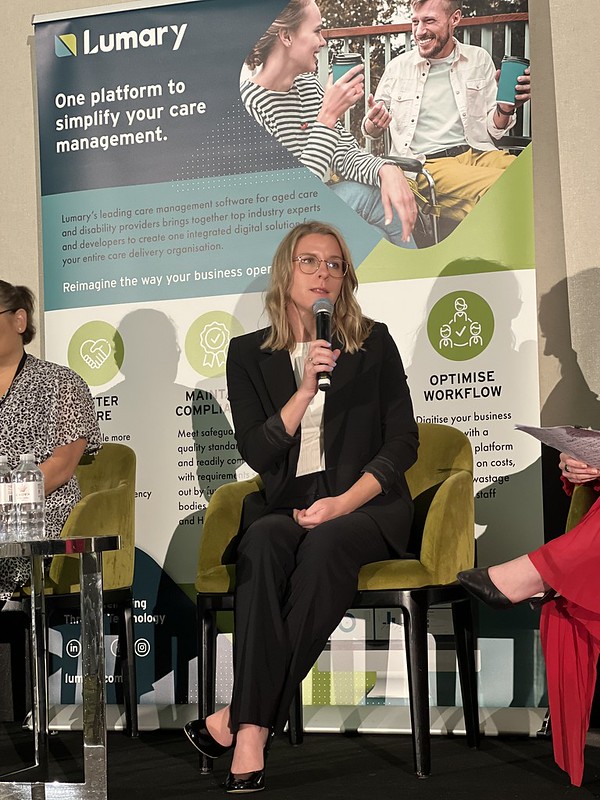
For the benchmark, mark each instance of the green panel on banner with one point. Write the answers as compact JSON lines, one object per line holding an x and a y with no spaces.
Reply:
{"x":499,"y":231}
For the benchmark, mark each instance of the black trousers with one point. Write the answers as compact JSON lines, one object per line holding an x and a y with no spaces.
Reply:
{"x":292,"y":589}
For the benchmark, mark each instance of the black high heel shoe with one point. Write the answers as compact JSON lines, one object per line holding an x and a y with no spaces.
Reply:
{"x":252,"y":782}
{"x":538,"y":602}
{"x":198,"y":734}
{"x":480,"y":585}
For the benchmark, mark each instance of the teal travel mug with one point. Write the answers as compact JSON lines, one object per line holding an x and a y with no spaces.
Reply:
{"x":342,"y":62}
{"x":510,"y":69}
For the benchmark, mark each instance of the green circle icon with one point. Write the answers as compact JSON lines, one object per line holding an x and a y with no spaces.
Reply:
{"x":207,"y":342}
{"x":460,"y":326}
{"x":96,"y":352}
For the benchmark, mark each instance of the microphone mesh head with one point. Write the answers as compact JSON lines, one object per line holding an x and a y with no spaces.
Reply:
{"x":322,"y":306}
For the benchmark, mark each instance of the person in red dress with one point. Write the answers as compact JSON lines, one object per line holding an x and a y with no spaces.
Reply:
{"x":562,"y":577}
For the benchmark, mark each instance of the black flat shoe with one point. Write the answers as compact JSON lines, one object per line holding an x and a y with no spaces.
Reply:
{"x":252,"y":782}
{"x":199,"y":736}
{"x":479,"y":584}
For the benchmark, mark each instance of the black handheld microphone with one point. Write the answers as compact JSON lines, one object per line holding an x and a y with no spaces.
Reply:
{"x":323,"y":309}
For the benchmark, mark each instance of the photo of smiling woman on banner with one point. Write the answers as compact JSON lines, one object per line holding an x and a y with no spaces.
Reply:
{"x":286,"y":98}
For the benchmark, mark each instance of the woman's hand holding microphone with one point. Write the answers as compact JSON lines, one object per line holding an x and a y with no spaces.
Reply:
{"x":320,"y":358}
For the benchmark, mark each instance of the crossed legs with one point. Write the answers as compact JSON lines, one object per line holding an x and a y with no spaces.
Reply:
{"x":292,"y":588}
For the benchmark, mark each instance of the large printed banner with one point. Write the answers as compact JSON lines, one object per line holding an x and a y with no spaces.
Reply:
{"x":163,"y":201}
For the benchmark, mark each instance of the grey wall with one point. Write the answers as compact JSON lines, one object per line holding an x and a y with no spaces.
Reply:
{"x":566,"y":193}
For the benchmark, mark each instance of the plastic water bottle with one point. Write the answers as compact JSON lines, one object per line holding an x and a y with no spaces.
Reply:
{"x":6,"y":501}
{"x":28,"y":498}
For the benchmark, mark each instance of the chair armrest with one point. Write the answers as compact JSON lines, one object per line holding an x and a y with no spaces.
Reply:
{"x":582,"y":499}
{"x":105,"y":512}
{"x":94,"y":514}
{"x":405,"y":163}
{"x":516,"y":143}
{"x":222,"y":521}
{"x":448,"y":544}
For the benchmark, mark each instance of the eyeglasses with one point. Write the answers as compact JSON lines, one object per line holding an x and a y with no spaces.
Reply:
{"x":309,"y":264}
{"x":8,"y":311}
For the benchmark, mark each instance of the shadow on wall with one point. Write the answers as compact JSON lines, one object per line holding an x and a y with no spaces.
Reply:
{"x":166,"y":422}
{"x":571,"y":401}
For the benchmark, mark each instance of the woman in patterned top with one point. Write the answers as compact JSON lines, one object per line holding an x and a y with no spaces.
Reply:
{"x":286,"y":98}
{"x":45,"y":409}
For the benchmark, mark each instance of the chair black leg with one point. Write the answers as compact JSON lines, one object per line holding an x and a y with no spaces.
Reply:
{"x":545,"y":731}
{"x":18,"y":639}
{"x":207,"y":656}
{"x":462,"y":619}
{"x":128,"y":670}
{"x":295,"y":720}
{"x":414,"y":611}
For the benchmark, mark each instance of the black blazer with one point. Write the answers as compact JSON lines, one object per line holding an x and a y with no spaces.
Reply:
{"x":368,"y":424}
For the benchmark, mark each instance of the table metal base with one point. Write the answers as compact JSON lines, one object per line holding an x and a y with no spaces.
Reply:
{"x":32,"y":782}
{"x":32,"y":790}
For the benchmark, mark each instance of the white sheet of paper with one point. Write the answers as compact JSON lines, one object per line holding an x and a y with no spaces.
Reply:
{"x":581,"y":443}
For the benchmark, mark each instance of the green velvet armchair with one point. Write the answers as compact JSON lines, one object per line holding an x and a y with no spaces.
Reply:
{"x":582,"y":499}
{"x":107,"y":506}
{"x":441,"y":484}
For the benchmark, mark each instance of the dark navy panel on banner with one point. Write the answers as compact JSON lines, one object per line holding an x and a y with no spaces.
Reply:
{"x":128,"y":99}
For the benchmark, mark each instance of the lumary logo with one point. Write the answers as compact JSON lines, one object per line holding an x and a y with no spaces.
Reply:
{"x":66,"y":45}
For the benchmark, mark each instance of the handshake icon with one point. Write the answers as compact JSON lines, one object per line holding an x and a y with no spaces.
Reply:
{"x":95,"y":353}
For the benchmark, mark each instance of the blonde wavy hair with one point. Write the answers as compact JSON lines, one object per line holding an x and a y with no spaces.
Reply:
{"x":348,"y":322}
{"x":290,"y":19}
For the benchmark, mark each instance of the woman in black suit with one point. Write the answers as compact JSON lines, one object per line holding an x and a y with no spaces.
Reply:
{"x":335,"y":497}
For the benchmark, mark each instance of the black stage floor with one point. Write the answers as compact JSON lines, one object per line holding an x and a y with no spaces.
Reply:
{"x":162,"y":764}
